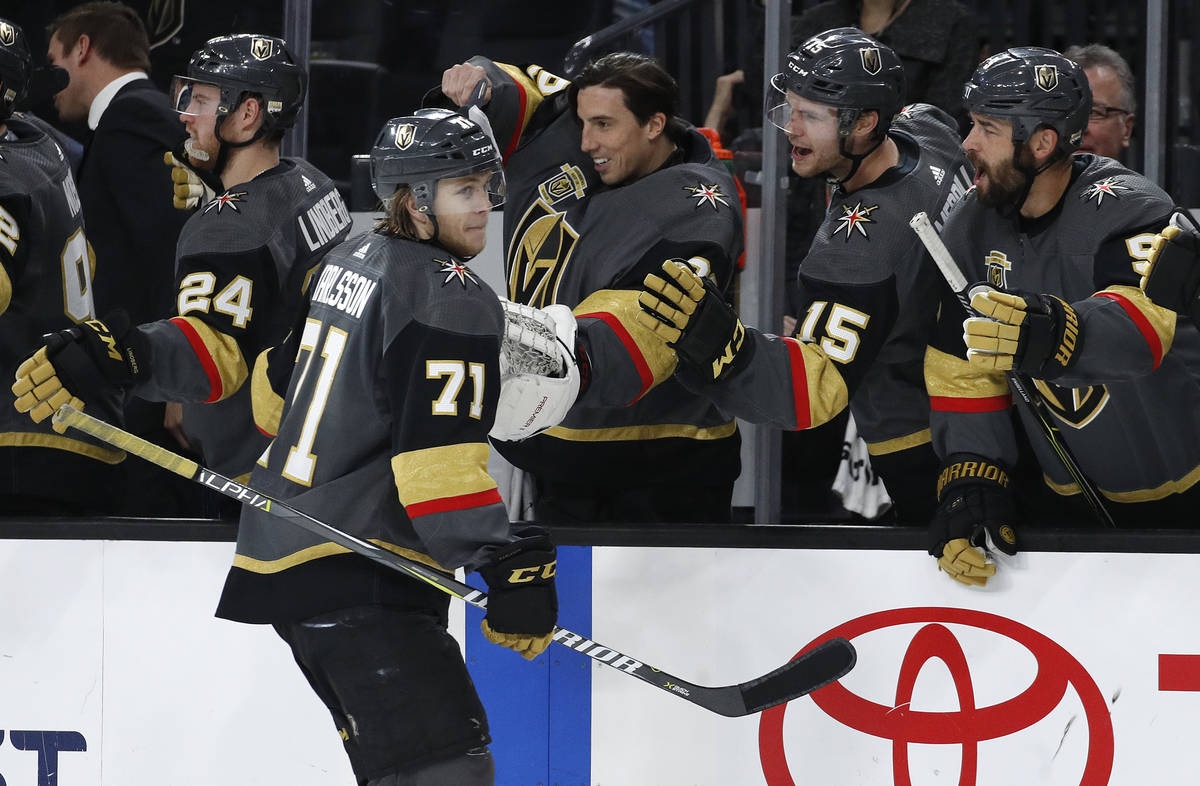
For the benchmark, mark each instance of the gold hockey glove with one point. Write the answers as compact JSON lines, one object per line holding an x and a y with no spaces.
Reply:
{"x":90,"y":363}
{"x":974,"y":518}
{"x":691,"y":315}
{"x":190,"y":190}
{"x":1036,"y":334}
{"x":522,"y":603}
{"x":1171,"y":274}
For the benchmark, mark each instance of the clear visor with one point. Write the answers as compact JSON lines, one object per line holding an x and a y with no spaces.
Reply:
{"x":789,"y":111}
{"x":478,"y":192}
{"x":196,"y":99}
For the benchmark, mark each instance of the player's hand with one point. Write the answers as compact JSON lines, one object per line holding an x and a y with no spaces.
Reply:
{"x":190,"y":190}
{"x":458,"y":83}
{"x":1171,"y":273}
{"x":522,"y":603}
{"x":689,"y":314}
{"x":90,"y":363}
{"x":974,"y":521}
{"x":1036,"y":334}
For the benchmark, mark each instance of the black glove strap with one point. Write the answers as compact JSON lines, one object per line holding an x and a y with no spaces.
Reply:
{"x":714,"y":338}
{"x":1053,"y":341}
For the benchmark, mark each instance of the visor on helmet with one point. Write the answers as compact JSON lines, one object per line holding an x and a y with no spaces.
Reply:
{"x":197,"y":99}
{"x":780,"y":104}
{"x":480,"y":189}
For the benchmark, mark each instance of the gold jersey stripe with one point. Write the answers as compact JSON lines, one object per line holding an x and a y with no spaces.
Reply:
{"x":32,"y":439}
{"x":648,"y":352}
{"x":949,"y":376}
{"x":443,"y":471}
{"x":899,"y":443}
{"x":266,"y":404}
{"x":532,"y":95}
{"x":1141,"y":495}
{"x":1161,"y":320}
{"x":642,"y":433}
{"x":5,"y":290}
{"x":825,"y":394}
{"x":224,"y":354}
{"x":326,"y":550}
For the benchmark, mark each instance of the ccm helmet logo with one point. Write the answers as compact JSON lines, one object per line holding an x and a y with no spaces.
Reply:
{"x":479,"y":151}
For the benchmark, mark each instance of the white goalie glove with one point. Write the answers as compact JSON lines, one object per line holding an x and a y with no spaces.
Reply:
{"x":539,"y":376}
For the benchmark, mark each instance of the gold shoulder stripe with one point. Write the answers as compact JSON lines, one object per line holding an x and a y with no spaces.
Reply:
{"x":266,"y":404}
{"x":899,"y":443}
{"x":443,"y":471}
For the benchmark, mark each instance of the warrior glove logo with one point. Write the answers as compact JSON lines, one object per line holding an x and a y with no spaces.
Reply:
{"x":405,"y":134}
{"x":261,"y":48}
{"x":871,"y":62}
{"x":1046,"y":77}
{"x":8,"y":34}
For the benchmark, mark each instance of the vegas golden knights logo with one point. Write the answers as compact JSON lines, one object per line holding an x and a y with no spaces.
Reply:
{"x":1047,"y":77}
{"x":8,"y":34}
{"x":871,"y":61}
{"x":997,"y":269}
{"x":541,"y":248}
{"x":405,"y":134}
{"x":1076,"y":407}
{"x":261,"y":48}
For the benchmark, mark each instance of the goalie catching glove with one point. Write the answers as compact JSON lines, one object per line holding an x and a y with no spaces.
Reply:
{"x":974,"y":518}
{"x":1035,"y":334}
{"x":90,"y":363}
{"x":522,"y":605}
{"x":539,"y":374}
{"x":1171,"y":273}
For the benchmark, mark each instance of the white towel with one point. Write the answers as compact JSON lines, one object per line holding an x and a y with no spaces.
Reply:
{"x":861,"y":490}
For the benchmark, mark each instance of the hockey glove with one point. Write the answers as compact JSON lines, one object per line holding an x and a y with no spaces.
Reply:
{"x":539,"y":375}
{"x":691,"y":315}
{"x":1035,"y":334}
{"x":92,"y":362}
{"x":191,"y":190}
{"x":522,"y":601}
{"x":1171,"y":274}
{"x":974,"y":518}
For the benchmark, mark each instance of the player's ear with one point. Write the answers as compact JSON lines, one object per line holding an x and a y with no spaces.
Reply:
{"x":1042,"y":143}
{"x":866,"y":123}
{"x":655,"y":125}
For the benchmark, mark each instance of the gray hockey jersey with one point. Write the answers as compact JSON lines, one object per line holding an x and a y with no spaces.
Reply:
{"x":869,"y":302}
{"x":571,"y":240}
{"x":243,"y":263}
{"x":46,"y":270}
{"x":383,"y":433}
{"x":1129,"y":409}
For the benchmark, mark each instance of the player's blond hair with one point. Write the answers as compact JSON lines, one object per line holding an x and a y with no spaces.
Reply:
{"x":397,"y":221}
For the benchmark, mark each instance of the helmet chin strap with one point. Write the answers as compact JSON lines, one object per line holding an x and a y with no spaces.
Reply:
{"x":1028,"y":173}
{"x":224,"y":145}
{"x":846,"y":120}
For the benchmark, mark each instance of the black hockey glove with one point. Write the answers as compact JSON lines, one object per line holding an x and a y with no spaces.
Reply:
{"x":1035,"y":334}
{"x":522,"y":603}
{"x":1171,"y":274}
{"x":91,"y":363}
{"x":690,"y":314}
{"x":974,"y":519}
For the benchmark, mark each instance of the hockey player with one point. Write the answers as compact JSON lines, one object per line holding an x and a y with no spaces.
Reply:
{"x":869,"y":296}
{"x":1055,"y":238}
{"x":46,"y":275}
{"x":243,"y":262}
{"x":389,"y":405}
{"x":606,"y":183}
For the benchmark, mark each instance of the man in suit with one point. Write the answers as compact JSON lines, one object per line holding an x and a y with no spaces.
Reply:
{"x":125,"y":189}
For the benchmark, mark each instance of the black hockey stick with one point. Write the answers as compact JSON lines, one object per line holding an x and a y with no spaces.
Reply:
{"x":1021,"y":383}
{"x":809,"y":671}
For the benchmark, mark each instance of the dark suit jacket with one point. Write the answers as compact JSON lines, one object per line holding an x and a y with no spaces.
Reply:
{"x":126,"y":193}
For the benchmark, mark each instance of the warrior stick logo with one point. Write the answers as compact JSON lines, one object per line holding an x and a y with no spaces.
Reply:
{"x":262,"y":48}
{"x":597,"y":651}
{"x":871,"y":62}
{"x":8,"y":34}
{"x":1046,"y":77}
{"x":405,"y":134}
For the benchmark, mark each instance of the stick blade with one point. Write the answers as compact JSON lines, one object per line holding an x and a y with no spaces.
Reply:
{"x":812,"y":669}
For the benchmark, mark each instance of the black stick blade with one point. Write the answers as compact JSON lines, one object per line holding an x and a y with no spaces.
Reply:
{"x":815,"y":668}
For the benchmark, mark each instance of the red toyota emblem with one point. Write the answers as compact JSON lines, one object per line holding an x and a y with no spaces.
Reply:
{"x":968,"y":726}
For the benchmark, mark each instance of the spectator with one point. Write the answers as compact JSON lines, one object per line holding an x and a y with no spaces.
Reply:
{"x":126,"y":194}
{"x":604,"y":184}
{"x":866,"y":313}
{"x":1114,"y":104}
{"x":1056,"y":237}
{"x":46,"y":271}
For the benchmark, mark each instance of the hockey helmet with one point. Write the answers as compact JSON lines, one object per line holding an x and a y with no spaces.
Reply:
{"x":844,"y":68}
{"x":16,"y":67}
{"x":1032,"y":87}
{"x":433,"y":144}
{"x":246,"y":64}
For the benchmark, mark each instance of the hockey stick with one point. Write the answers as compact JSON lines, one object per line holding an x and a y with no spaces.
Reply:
{"x":809,"y":671}
{"x":1021,"y":383}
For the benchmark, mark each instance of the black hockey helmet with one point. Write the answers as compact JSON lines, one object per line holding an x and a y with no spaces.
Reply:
{"x":248,"y":64}
{"x":1032,"y":87}
{"x":421,"y":149}
{"x":844,"y":68}
{"x":16,"y":67}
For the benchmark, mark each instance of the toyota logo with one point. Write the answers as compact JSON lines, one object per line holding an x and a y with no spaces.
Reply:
{"x":969,"y":726}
